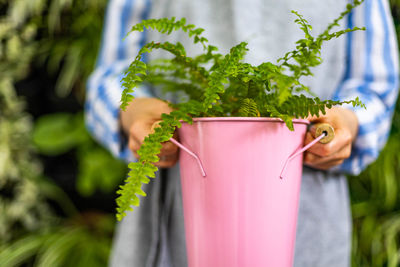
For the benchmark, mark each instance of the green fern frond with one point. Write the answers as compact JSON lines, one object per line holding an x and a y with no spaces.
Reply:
{"x":307,"y":52}
{"x":143,"y":169}
{"x":248,"y":108}
{"x":302,"y":106}
{"x":227,"y":68}
{"x":166,"y":26}
{"x":137,"y":70}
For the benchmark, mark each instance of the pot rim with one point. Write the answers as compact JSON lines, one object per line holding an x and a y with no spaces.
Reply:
{"x":251,"y":119}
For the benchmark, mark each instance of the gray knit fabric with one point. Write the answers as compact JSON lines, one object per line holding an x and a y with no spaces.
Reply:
{"x":153,"y":234}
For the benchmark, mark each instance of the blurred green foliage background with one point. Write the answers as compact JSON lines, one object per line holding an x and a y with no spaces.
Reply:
{"x":57,"y":185}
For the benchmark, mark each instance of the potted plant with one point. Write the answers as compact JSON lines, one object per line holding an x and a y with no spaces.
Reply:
{"x":226,"y":95}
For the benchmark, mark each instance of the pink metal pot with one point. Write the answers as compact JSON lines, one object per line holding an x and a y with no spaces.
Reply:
{"x":238,"y":210}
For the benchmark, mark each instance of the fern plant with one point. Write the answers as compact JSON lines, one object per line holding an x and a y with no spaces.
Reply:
{"x":221,"y":86}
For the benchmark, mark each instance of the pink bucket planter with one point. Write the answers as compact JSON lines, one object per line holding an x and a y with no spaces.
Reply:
{"x":238,"y":212}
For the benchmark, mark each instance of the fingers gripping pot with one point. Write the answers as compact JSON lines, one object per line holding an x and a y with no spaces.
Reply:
{"x":238,"y":211}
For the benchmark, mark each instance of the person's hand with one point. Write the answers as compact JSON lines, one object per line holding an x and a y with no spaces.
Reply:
{"x":137,"y":122}
{"x":325,"y":156}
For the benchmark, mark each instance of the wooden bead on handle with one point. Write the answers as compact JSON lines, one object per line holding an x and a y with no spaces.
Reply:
{"x":321,"y":128}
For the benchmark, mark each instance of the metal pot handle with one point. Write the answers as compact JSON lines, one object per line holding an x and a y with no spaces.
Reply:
{"x":203,"y":173}
{"x":324,"y":133}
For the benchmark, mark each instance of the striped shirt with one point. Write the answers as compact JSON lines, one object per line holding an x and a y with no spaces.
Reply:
{"x":371,"y":74}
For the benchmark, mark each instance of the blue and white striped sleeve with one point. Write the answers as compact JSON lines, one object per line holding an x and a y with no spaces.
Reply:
{"x":371,"y":74}
{"x":104,"y":87}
